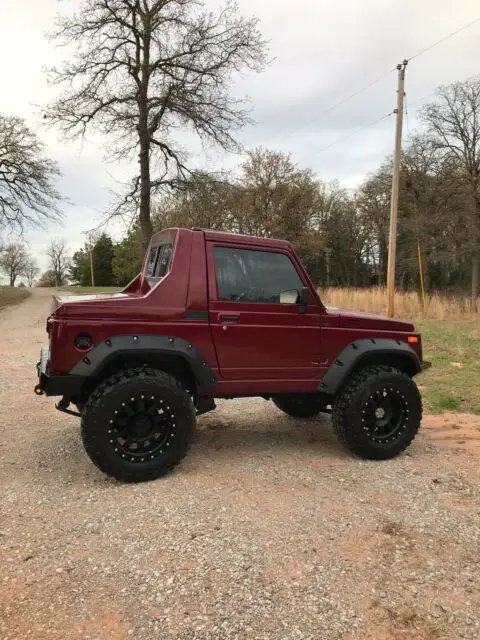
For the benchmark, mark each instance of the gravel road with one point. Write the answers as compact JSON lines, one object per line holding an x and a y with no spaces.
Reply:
{"x":267,"y":531}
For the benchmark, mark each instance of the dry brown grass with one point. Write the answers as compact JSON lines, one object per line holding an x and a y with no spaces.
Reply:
{"x":407,"y":304}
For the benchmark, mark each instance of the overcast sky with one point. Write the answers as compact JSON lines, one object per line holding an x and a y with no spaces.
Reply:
{"x":323,"y":51}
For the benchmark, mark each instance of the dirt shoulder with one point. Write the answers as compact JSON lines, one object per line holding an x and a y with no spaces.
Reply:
{"x":268,"y":530}
{"x":459,"y":431}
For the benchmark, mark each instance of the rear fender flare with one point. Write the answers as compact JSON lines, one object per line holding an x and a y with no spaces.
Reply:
{"x":95,"y":360}
{"x":365,"y":350}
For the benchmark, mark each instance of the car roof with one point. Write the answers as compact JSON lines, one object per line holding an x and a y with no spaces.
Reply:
{"x":237,"y":238}
{"x":225,"y":237}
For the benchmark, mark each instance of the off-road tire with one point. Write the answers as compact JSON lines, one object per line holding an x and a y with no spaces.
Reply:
{"x":300,"y":405}
{"x":110,"y":399}
{"x":352,"y":414}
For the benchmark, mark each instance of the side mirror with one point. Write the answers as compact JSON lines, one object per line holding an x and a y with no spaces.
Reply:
{"x":303,"y":300}
{"x":289,"y":297}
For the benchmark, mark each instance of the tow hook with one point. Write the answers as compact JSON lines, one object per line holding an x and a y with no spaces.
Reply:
{"x":38,"y":390}
{"x":63,"y":404}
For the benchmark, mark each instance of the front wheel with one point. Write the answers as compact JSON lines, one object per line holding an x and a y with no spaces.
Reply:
{"x":138,"y":424}
{"x":378,"y":413}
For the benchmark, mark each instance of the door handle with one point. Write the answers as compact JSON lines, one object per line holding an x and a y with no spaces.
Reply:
{"x":229,"y":319}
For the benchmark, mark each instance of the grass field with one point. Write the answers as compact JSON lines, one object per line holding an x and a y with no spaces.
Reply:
{"x":81,"y":290}
{"x":452,"y":384}
{"x":12,"y":295}
{"x":451,"y":341}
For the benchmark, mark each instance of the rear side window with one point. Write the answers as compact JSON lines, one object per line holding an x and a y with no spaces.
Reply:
{"x":244,"y":275}
{"x":152,"y":259}
{"x":159,"y":260}
{"x":164,"y":259}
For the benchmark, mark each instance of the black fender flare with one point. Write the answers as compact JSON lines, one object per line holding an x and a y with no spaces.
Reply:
{"x":137,"y":345}
{"x":359,"y":350}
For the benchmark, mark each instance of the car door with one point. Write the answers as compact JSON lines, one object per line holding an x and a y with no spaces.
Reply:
{"x":255,"y":335}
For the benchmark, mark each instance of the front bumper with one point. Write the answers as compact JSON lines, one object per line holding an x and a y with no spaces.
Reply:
{"x":53,"y":385}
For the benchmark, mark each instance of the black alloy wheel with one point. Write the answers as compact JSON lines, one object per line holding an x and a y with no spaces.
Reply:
{"x":384,"y":414}
{"x":138,"y":424}
{"x":378,"y":412}
{"x":142,"y":428}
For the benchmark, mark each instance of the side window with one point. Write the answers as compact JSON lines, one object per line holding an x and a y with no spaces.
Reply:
{"x":244,"y":275}
{"x":164,"y":258}
{"x":158,"y":263}
{"x":152,"y":257}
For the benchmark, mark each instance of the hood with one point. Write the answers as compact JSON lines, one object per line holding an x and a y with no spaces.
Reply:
{"x":357,"y":319}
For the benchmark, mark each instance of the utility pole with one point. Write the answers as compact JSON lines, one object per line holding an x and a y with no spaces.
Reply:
{"x":91,"y":244}
{"x":91,"y":263}
{"x":327,"y":255}
{"x":392,"y":244}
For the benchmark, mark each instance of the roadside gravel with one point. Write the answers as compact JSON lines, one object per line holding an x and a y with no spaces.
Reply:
{"x":268,"y":530}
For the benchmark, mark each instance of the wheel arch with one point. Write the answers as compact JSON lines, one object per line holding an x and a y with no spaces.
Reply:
{"x":172,"y":355}
{"x":364,"y":353}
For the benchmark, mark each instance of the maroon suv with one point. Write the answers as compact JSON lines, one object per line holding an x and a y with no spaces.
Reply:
{"x":219,"y":315}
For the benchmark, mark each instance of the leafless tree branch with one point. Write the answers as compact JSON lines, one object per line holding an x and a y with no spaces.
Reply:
{"x":28,"y":196}
{"x":142,"y":69}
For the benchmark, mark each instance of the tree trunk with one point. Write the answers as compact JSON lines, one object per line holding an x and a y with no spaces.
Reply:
{"x":475,"y":272}
{"x":143,"y":59}
{"x":144,"y":213}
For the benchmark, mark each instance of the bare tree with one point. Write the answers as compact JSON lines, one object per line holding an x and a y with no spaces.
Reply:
{"x":14,"y":260}
{"x":27,"y":178}
{"x":454,"y":121}
{"x":31,"y":272}
{"x":59,"y":262}
{"x":143,"y":69}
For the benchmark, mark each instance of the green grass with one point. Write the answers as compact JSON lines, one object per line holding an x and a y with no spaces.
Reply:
{"x":81,"y":290}
{"x":452,"y":384}
{"x":12,"y":295}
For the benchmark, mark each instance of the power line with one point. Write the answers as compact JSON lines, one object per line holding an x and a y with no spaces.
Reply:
{"x":354,"y":133}
{"x":447,"y":37}
{"x":432,"y":93}
{"x":371,"y":124}
{"x":337,"y":104}
{"x":428,"y":95}
{"x":406,"y":115}
{"x":358,"y":92}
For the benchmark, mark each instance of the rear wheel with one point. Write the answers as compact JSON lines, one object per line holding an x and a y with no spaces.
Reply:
{"x":300,"y":405}
{"x":378,"y":413}
{"x":138,"y":424}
